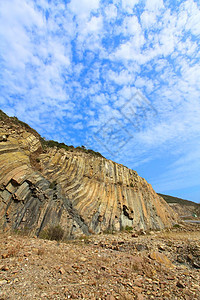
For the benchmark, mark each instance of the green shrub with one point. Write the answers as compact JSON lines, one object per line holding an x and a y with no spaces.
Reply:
{"x":128,"y":228}
{"x":22,"y":231}
{"x":85,"y":239}
{"x":2,"y":115}
{"x":53,"y":233}
{"x":176,"y":226}
{"x":53,"y":184}
{"x":108,"y":231}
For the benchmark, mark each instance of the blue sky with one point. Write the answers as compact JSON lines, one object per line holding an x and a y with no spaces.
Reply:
{"x":120,"y":77}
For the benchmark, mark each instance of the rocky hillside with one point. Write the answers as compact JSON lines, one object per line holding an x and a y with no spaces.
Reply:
{"x":184,"y":208}
{"x":47,"y":183}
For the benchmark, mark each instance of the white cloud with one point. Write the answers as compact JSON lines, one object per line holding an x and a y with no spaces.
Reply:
{"x":154,"y":5}
{"x":123,"y":77}
{"x":95,"y":25}
{"x":83,"y":8}
{"x":128,"y":5}
{"x":192,"y":75}
{"x":193,"y":16}
{"x":148,"y":19}
{"x":140,"y":82}
{"x":188,"y":47}
{"x":131,"y":50}
{"x":25,"y":13}
{"x":126,"y":93}
{"x":131,"y":26}
{"x":111,"y":12}
{"x":100,"y":99}
{"x":78,"y":125}
{"x":89,"y":34}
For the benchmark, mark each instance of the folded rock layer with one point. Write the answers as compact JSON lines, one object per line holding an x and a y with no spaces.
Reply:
{"x":81,"y":192}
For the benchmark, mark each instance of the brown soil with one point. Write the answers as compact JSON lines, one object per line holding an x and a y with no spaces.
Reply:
{"x":161,"y":265}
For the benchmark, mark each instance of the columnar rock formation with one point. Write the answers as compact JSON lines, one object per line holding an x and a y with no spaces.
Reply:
{"x":80,"y":191}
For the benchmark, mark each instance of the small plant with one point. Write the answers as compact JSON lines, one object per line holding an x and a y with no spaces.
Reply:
{"x":53,"y":185}
{"x":53,"y":233}
{"x":176,"y":226}
{"x":85,"y":239}
{"x":128,"y":228}
{"x":110,"y":230}
{"x":22,"y":231}
{"x":131,"y":184}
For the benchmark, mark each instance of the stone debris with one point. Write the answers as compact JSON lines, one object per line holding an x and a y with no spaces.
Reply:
{"x":102,"y":266}
{"x":3,"y":137}
{"x":2,"y":282}
{"x":161,"y":258}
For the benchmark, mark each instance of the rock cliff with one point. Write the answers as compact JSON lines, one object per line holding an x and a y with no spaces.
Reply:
{"x":84,"y":193}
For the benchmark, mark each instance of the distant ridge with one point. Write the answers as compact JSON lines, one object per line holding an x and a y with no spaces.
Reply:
{"x":184,"y":208}
{"x":171,"y":199}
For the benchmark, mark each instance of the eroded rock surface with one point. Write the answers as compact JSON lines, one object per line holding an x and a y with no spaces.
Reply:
{"x":81,"y":192}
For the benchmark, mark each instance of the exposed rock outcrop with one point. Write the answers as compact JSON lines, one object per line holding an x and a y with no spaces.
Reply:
{"x":184,"y":208}
{"x":81,"y":192}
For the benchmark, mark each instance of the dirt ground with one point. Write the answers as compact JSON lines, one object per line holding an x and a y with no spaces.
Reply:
{"x":127,"y":265}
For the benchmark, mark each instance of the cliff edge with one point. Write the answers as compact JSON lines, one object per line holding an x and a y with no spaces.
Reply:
{"x":80,"y":190}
